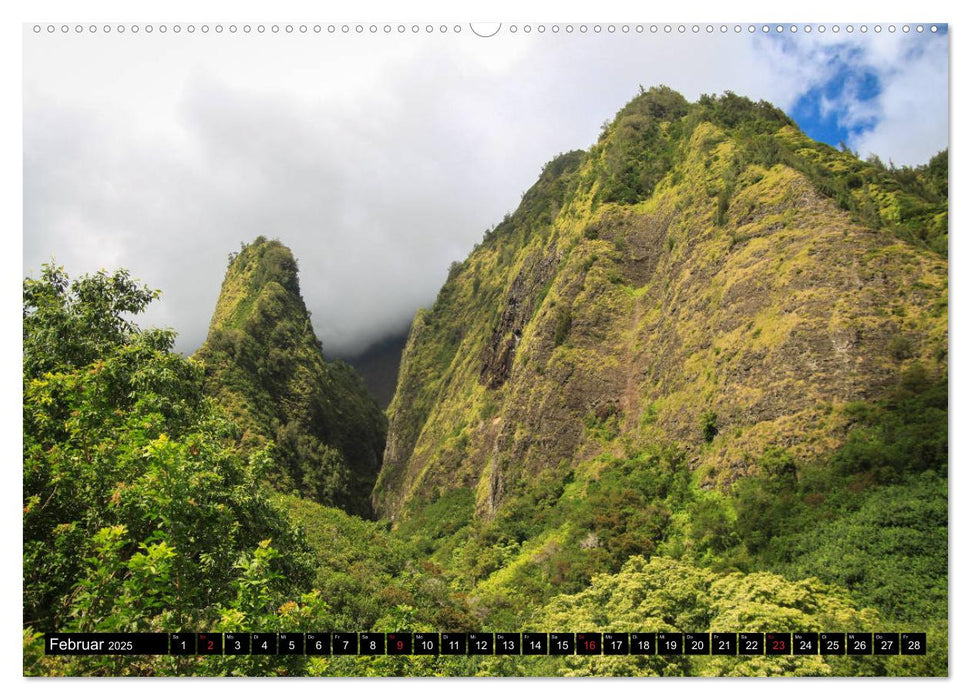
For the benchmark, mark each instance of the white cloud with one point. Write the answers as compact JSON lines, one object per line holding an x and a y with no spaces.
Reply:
{"x":907,"y":121}
{"x":911,"y":112}
{"x":377,"y":159}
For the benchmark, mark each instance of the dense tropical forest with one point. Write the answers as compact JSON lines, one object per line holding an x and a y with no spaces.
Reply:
{"x":697,"y":381}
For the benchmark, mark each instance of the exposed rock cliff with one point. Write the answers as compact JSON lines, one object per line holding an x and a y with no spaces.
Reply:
{"x":705,"y":275}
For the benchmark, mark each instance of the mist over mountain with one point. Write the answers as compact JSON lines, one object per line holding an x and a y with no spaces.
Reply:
{"x":378,"y":366}
{"x":696,"y":381}
{"x":265,"y":366}
{"x":379,"y":176}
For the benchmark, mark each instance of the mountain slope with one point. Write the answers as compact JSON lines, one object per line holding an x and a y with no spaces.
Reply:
{"x":264,"y":365}
{"x":705,"y":277}
{"x":378,"y":366}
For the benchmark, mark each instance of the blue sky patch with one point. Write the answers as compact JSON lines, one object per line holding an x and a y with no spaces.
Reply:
{"x":842,"y":106}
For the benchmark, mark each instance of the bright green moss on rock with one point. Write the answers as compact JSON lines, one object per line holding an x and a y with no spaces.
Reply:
{"x":699,"y":259}
{"x":265,"y":366}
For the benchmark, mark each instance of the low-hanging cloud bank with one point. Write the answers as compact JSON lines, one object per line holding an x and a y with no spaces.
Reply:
{"x":378,"y":160}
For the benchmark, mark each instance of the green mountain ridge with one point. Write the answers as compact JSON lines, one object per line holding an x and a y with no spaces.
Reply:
{"x":705,"y":275}
{"x":696,"y":382}
{"x":708,"y":339}
{"x":266,"y":368}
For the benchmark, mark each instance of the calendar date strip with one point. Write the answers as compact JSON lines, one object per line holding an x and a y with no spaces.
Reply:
{"x":487,"y":643}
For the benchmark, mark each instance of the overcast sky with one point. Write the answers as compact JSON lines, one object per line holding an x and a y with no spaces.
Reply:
{"x":381,"y":159}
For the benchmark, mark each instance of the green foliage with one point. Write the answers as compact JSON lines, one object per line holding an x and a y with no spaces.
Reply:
{"x":629,"y":506}
{"x":735,"y":112}
{"x":265,"y":367}
{"x":636,"y":150}
{"x":445,"y":518}
{"x":711,"y":526}
{"x":71,"y":324}
{"x":370,"y":576}
{"x":145,"y":509}
{"x":540,"y":202}
{"x":138,"y":512}
{"x":898,"y":559}
{"x":112,"y":592}
{"x":552,"y":534}
{"x":909,"y":202}
{"x":871,"y":519}
{"x":901,"y":348}
{"x":885,"y":547}
{"x":658,"y":147}
{"x":761,"y":510}
{"x":721,"y":210}
{"x":668,"y":595}
{"x":709,"y":426}
{"x":664,"y":174}
{"x":903,"y":435}
{"x":140,"y":515}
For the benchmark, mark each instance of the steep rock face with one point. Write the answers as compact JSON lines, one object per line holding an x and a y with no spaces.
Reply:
{"x":705,"y":275}
{"x":265,"y":366}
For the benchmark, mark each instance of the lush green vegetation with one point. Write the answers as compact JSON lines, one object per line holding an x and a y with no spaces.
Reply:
{"x":722,"y":195}
{"x":371,"y":580}
{"x":138,"y":512}
{"x":678,"y":209}
{"x":870,"y":521}
{"x":696,"y":381}
{"x":643,"y":143}
{"x":264,"y":365}
{"x":642,"y":146}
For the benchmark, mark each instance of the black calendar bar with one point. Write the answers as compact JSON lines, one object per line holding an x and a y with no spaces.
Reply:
{"x":209,"y":643}
{"x":344,"y":643}
{"x":235,"y":643}
{"x":481,"y":643}
{"x":697,"y":643}
{"x":290,"y":643}
{"x":805,"y":643}
{"x":886,"y":643}
{"x":778,"y":643}
{"x":859,"y":643}
{"x":426,"y":643}
{"x":616,"y":643}
{"x":643,"y":643}
{"x":563,"y":643}
{"x":832,"y":643}
{"x":184,"y":643}
{"x":454,"y":643}
{"x":264,"y":643}
{"x":508,"y":643}
{"x":487,"y":643}
{"x":97,"y":643}
{"x":589,"y":643}
{"x":317,"y":644}
{"x":913,"y":643}
{"x":724,"y":643}
{"x":670,"y":643}
{"x":371,"y":643}
{"x":536,"y":643}
{"x":751,"y":643}
{"x":399,"y":644}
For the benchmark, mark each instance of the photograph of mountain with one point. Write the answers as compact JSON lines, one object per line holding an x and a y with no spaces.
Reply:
{"x":691,"y":380}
